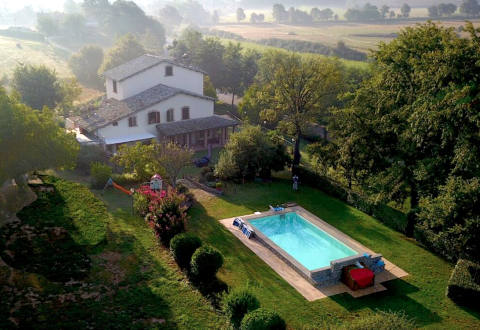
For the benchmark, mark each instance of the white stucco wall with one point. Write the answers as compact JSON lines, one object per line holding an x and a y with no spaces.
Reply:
{"x":109,"y":87}
{"x":181,"y":78}
{"x":198,"y":108}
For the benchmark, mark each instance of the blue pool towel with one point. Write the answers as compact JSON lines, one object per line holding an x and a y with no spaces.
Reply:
{"x":366,"y":255}
{"x":380,"y":263}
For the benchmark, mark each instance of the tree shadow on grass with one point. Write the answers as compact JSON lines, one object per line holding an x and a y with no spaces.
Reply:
{"x":395,"y":299}
{"x":212,"y":290}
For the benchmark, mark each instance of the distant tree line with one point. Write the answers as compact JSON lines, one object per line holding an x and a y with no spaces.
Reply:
{"x":97,"y":18}
{"x":297,"y":16}
{"x":341,"y":50}
{"x":442,"y":10}
{"x":370,"y":12}
{"x":186,"y":12}
{"x":470,"y":8}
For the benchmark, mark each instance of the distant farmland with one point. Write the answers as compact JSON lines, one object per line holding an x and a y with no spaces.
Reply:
{"x":359,"y":36}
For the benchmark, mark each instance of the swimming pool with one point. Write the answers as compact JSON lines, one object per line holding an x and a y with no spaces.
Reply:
{"x":312,"y":247}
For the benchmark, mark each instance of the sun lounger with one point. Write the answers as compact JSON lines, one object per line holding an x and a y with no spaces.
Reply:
{"x":275,"y":209}
{"x":238,"y":222}
{"x":248,"y":231}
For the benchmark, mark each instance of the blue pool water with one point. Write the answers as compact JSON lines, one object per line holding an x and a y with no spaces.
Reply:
{"x":305,"y":242}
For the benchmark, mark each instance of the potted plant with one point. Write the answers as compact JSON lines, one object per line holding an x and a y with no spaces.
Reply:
{"x":219,"y":186}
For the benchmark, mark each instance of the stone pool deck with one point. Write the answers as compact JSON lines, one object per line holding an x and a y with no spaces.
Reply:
{"x":303,"y":286}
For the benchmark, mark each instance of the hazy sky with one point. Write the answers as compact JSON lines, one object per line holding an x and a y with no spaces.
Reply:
{"x":43,"y":4}
{"x":18,"y":4}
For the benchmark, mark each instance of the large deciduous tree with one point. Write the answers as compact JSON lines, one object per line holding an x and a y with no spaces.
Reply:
{"x":173,"y":158}
{"x":239,"y":69}
{"x":31,"y":140}
{"x":416,"y":121}
{"x":470,"y":7}
{"x":124,"y":50}
{"x":85,"y":65}
{"x":250,"y":153}
{"x":295,"y":90}
{"x":405,"y":10}
{"x":240,"y":14}
{"x":450,"y":222}
{"x":38,"y":86}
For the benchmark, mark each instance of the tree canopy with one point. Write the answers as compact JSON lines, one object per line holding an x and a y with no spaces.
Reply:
{"x":38,"y":86}
{"x":250,"y":153}
{"x":292,"y":91}
{"x":31,"y":140}
{"x":85,"y":65}
{"x":415,"y":122}
{"x":125,"y":49}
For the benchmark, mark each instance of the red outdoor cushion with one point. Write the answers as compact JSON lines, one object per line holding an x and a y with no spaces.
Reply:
{"x":362,"y":276}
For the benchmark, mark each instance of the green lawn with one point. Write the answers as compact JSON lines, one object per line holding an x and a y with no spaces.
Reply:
{"x":132,"y":283}
{"x":421,"y":295}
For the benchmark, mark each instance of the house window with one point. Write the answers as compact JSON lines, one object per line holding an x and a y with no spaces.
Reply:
{"x":169,"y":70}
{"x":114,"y":85}
{"x":154,"y":117}
{"x":185,"y":113}
{"x":132,"y":121}
{"x":115,"y":123}
{"x":170,"y":115}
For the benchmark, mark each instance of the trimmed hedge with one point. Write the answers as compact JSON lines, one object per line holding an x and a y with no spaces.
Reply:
{"x":387,"y":215}
{"x":205,"y":263}
{"x":262,"y":319}
{"x":464,"y":284}
{"x":238,"y":303}
{"x":22,"y":34}
{"x":183,"y":246}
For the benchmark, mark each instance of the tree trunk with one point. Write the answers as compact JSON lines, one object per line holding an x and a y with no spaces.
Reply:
{"x":296,"y":155}
{"x":233,"y":99}
{"x":412,"y":214}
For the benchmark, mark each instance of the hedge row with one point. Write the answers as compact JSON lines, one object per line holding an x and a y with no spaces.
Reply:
{"x":20,"y":34}
{"x":389,"y":216}
{"x":464,"y":284}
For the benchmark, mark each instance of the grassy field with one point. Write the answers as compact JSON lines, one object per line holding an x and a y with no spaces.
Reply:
{"x":261,"y":48}
{"x":421,"y":295}
{"x":31,"y":52}
{"x":132,"y":283}
{"x":360,"y":36}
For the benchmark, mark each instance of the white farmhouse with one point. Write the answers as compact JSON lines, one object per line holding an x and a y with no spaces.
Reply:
{"x":152,"y":97}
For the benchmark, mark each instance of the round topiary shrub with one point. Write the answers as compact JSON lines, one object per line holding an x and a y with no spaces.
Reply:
{"x":205,"y":263}
{"x":183,"y":246}
{"x":262,"y":319}
{"x":238,"y":303}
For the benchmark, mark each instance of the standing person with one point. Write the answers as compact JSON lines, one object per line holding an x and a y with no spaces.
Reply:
{"x":295,"y":182}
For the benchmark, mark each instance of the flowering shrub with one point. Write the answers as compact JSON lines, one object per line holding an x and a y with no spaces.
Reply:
{"x":166,"y":214}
